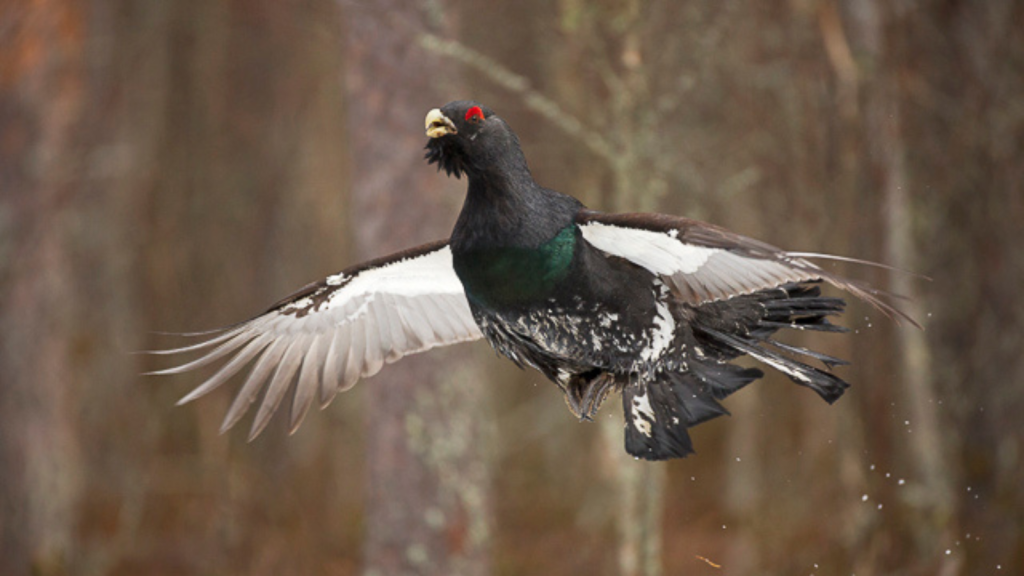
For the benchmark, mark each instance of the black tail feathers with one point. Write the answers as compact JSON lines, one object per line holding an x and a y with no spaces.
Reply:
{"x":827,"y":385}
{"x":799,"y":307}
{"x":659,"y":411}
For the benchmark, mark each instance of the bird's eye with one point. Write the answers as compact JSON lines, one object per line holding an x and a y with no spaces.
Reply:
{"x":474,"y":114}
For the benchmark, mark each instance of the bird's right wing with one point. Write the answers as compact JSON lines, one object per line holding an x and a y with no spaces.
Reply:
{"x":704,"y":263}
{"x":336,"y":331}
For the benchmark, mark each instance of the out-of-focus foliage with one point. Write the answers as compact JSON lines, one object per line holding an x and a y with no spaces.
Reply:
{"x":180,"y":165}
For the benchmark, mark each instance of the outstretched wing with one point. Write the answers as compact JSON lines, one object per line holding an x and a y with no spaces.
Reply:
{"x":704,"y":263}
{"x":333,"y":332}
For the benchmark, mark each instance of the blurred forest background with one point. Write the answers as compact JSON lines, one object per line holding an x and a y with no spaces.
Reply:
{"x":178,"y":166}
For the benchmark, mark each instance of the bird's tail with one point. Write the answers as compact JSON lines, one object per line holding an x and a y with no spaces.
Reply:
{"x":659,"y":410}
{"x":799,"y":307}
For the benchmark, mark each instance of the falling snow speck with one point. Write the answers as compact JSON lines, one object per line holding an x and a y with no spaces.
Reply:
{"x":902,"y":482}
{"x":864,"y":498}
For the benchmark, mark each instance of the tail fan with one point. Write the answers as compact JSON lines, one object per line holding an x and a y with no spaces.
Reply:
{"x":659,"y":411}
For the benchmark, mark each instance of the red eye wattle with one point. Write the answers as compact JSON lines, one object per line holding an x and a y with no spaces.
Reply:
{"x":474,"y":114}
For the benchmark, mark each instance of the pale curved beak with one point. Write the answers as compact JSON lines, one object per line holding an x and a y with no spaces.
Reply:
{"x":439,"y":125}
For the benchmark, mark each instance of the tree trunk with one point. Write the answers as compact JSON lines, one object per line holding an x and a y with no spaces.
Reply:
{"x":428,"y":509}
{"x":884,"y":139}
{"x":41,"y":107}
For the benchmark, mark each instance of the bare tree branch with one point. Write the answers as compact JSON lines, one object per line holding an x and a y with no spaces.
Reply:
{"x":534,"y":100}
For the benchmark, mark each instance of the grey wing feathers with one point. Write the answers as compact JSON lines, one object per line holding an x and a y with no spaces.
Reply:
{"x":330,"y":334}
{"x":704,"y":263}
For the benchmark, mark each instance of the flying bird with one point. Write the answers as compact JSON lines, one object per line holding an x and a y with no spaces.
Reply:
{"x":651,"y":306}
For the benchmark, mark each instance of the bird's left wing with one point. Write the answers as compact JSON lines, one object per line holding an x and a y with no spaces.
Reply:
{"x":336,"y":331}
{"x":704,"y":263}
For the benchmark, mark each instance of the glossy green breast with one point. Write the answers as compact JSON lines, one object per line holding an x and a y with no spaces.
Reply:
{"x":510,"y":275}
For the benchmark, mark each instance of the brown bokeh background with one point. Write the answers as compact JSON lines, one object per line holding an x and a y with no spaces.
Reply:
{"x":178,"y":166}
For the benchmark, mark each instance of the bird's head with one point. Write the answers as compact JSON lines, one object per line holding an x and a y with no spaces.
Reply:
{"x":469,"y":138}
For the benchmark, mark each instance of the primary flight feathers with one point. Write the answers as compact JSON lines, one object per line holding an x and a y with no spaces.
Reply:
{"x":334,"y":332}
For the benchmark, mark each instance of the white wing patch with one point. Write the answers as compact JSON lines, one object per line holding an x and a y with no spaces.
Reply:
{"x":698,"y":273}
{"x":659,"y":252}
{"x":343,"y":329}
